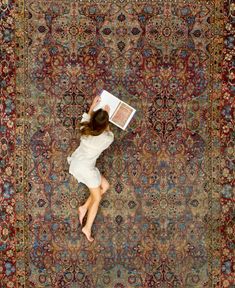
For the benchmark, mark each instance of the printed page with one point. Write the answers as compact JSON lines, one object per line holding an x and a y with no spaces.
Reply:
{"x":108,"y":99}
{"x":123,"y":114}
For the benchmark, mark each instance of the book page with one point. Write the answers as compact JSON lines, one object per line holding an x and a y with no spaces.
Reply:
{"x":122,"y":115}
{"x":108,"y":99}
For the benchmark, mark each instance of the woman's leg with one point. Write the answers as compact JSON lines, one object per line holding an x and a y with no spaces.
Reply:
{"x":83,"y":209}
{"x":93,"y":208}
{"x":104,"y":185}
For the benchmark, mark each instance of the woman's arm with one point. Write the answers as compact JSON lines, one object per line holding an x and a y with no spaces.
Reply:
{"x":94,"y":104}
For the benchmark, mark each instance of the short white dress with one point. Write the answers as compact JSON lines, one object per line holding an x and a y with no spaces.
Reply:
{"x":83,"y":160}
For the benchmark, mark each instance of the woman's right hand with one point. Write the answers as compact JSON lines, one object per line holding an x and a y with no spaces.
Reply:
{"x":107,"y":108}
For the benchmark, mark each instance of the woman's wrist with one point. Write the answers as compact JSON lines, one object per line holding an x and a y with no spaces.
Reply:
{"x":91,"y":110}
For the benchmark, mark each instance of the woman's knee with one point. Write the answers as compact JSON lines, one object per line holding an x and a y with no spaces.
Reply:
{"x":104,"y":185}
{"x":104,"y":188}
{"x":107,"y":185}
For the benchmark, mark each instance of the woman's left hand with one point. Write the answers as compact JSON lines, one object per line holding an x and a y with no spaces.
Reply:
{"x":95,"y":102}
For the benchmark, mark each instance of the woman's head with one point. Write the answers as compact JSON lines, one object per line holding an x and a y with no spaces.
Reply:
{"x":98,"y":123}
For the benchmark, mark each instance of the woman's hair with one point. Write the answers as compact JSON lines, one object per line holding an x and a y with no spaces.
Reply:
{"x":97,"y":124}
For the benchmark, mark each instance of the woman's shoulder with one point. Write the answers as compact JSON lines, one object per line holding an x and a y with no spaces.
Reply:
{"x":104,"y":134}
{"x":109,"y":133}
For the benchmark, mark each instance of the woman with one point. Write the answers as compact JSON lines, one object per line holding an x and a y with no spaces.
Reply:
{"x":96,"y":137}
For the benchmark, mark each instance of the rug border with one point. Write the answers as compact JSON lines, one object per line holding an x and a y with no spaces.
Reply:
{"x":21,"y":159}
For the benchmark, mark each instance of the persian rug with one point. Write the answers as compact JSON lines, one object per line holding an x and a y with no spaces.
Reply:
{"x":168,"y":218}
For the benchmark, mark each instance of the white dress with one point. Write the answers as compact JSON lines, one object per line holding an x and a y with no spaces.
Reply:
{"x":83,"y":160}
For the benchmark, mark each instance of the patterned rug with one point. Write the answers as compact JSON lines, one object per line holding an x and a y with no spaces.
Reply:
{"x":168,"y":218}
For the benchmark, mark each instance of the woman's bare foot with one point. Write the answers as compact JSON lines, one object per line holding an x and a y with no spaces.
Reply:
{"x":88,"y":234}
{"x":82,"y":212}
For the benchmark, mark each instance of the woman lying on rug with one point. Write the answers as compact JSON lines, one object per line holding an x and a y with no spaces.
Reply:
{"x":96,"y":137}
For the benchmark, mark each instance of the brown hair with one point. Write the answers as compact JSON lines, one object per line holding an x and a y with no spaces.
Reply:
{"x":97,"y":124}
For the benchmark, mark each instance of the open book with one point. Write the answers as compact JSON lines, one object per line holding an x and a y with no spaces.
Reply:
{"x":120,"y":112}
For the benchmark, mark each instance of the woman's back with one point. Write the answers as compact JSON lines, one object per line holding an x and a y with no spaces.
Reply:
{"x":91,"y":147}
